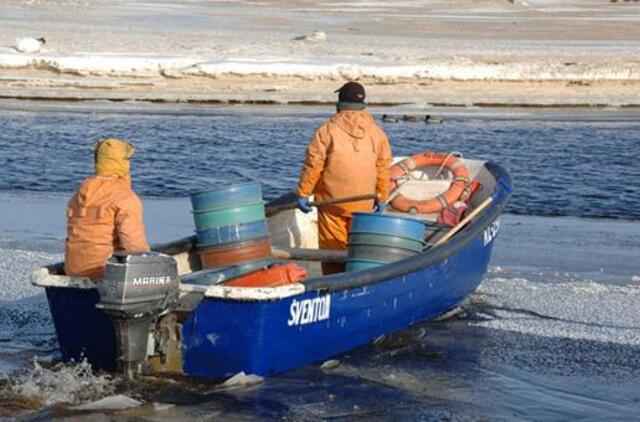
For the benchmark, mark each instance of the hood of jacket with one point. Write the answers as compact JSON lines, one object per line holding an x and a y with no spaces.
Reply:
{"x":112,"y":157}
{"x":356,"y":123}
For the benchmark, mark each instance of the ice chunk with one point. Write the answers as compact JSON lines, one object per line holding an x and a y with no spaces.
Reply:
{"x":575,"y":309}
{"x":116,"y":402}
{"x":330,"y":364}
{"x":161,"y":407}
{"x":242,"y":380}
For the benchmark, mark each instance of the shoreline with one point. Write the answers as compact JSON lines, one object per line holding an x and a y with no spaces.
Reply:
{"x":533,"y":53}
{"x":260,"y":90}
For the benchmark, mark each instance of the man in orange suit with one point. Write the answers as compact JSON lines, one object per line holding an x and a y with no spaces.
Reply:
{"x":348,"y":156}
{"x":104,"y":215}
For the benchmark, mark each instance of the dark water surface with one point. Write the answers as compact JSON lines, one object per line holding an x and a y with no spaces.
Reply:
{"x":575,"y":167}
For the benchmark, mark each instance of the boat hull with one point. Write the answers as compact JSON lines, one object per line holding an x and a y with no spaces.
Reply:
{"x":226,"y":331}
{"x":224,"y":337}
{"x":84,"y":332}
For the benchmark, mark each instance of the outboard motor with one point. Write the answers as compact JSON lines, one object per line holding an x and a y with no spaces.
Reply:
{"x":135,"y":290}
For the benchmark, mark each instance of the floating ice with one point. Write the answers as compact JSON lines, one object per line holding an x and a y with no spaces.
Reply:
{"x":15,"y":267}
{"x":242,"y":380}
{"x":25,"y":322}
{"x":330,"y":364}
{"x":577,"y":309}
{"x":117,"y":402}
{"x":161,"y":407}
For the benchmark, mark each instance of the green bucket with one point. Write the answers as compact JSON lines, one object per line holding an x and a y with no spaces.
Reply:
{"x":360,"y":264}
{"x":209,"y":219}
{"x":385,"y":240}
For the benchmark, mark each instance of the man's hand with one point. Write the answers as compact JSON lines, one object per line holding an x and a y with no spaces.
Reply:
{"x":379,"y":207}
{"x":303,"y":204}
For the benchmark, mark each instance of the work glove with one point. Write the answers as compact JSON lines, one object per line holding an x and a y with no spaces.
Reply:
{"x":303,"y":204}
{"x":379,"y":207}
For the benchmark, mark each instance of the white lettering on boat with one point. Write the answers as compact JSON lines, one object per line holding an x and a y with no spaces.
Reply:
{"x":152,"y":280}
{"x":491,"y":232}
{"x":308,"y":311}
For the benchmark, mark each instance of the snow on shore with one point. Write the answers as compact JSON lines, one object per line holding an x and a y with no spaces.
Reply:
{"x":398,"y":45}
{"x":111,"y":64}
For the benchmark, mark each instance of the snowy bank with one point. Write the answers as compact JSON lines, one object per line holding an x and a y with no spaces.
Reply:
{"x":447,"y":52}
{"x":459,"y":69}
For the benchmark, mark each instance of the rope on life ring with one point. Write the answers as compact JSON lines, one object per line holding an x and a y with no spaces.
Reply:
{"x":460,"y":186}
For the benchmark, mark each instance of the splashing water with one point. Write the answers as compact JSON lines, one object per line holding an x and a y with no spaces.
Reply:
{"x":73,"y":383}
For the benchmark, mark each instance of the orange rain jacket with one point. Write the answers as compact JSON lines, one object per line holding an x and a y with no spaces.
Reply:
{"x":348,"y":156}
{"x":104,"y":215}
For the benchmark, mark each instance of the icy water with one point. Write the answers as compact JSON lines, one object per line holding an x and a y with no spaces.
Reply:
{"x":551,"y":334}
{"x":575,"y":166}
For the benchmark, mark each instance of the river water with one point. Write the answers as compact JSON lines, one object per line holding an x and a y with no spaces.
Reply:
{"x":551,"y":333}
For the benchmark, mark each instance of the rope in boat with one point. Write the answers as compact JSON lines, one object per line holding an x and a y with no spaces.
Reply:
{"x":456,"y":154}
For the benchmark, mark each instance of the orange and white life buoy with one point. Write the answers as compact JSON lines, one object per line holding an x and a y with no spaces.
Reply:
{"x":459,"y":186}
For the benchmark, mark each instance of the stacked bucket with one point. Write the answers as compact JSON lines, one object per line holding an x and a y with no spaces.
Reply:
{"x":231,"y":227}
{"x":378,"y":239}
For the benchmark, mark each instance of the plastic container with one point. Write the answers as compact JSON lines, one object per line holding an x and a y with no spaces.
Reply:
{"x":357,"y":265}
{"x":385,"y":240}
{"x":388,"y":225}
{"x":378,"y":253}
{"x":235,"y":253}
{"x":242,"y":214}
{"x":233,"y":233}
{"x":278,"y":275}
{"x":227,"y":196}
{"x":434,"y":232}
{"x":214,"y":276}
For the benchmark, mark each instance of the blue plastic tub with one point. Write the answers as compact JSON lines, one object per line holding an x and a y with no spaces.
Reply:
{"x":213,"y":276}
{"x":359,"y":264}
{"x":385,"y":240}
{"x":388,"y":224}
{"x":227,"y":196}
{"x":241,"y":214}
{"x":233,"y":233}
{"x":378,"y":253}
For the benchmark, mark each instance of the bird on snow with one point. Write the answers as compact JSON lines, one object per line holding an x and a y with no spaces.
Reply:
{"x":29,"y":45}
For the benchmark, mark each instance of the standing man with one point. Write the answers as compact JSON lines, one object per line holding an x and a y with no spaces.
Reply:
{"x":104,"y":215}
{"x":348,"y":156}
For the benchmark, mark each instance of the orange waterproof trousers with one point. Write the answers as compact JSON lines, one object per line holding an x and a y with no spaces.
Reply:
{"x":333,"y":233}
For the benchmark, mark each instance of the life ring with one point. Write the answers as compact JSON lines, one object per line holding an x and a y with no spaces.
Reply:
{"x":459,"y":186}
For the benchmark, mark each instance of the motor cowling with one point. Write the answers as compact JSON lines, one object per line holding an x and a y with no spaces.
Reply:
{"x":135,"y":290}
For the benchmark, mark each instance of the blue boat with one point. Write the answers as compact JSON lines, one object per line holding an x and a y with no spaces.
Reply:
{"x":216,"y":331}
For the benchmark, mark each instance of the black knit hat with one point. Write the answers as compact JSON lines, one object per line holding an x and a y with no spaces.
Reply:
{"x":351,"y":92}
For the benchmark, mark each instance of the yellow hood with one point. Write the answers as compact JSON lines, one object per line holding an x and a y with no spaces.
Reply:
{"x":112,"y":157}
